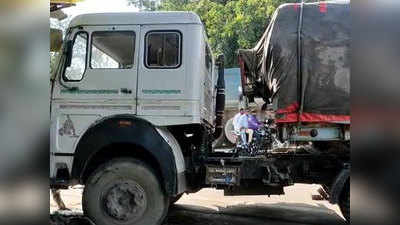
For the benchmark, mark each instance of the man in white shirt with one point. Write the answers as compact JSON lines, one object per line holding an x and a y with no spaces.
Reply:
{"x":243,"y":124}
{"x":236,"y":120}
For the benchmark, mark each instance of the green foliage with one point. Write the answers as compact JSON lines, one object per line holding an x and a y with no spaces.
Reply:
{"x":231,"y":24}
{"x":144,"y":5}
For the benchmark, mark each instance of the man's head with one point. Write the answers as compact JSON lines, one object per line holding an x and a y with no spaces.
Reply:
{"x":241,"y":110}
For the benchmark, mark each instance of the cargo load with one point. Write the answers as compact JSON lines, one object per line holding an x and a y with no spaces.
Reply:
{"x":319,"y":58}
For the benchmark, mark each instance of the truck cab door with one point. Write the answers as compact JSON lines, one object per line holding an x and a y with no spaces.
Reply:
{"x":99,"y":80}
{"x":102,"y":70}
{"x":161,"y":80}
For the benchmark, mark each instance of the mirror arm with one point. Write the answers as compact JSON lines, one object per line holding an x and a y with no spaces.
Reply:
{"x":60,"y":72}
{"x":68,"y":52}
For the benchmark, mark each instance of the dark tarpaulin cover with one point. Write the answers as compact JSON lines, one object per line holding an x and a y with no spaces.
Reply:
{"x":271,"y":67}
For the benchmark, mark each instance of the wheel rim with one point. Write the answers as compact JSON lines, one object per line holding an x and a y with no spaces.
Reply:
{"x":228,"y":131}
{"x":124,"y":201}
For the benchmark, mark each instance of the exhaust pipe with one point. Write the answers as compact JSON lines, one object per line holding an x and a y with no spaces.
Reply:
{"x":220,"y":98}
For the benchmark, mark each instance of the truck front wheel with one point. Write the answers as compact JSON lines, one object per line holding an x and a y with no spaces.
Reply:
{"x":124,"y":191}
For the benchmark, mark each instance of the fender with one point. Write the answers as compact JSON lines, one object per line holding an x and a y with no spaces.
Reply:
{"x":126,"y":129}
{"x":339,"y":183}
{"x":179,"y":159}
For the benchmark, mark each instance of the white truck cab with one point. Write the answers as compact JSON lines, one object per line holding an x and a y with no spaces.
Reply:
{"x":136,"y":91}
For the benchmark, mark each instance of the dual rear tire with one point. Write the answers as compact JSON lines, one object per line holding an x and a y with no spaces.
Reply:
{"x":124,"y":192}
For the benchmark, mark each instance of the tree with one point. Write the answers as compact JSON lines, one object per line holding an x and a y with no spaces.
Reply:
{"x":230,"y":24}
{"x":62,"y":25}
{"x":144,"y":5}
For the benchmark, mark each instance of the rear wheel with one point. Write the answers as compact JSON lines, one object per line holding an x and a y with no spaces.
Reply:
{"x":344,"y":202}
{"x":124,"y":191}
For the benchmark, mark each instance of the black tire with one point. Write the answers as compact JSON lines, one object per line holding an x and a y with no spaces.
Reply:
{"x":172,"y":200}
{"x":344,"y":202}
{"x":124,"y":191}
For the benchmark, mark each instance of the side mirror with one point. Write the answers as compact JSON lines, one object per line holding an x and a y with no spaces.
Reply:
{"x":55,"y":40}
{"x":68,"y":52}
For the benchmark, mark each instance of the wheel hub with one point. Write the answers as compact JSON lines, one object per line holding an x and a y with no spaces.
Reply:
{"x":125,"y":201}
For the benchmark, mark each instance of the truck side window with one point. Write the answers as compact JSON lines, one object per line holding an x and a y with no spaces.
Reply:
{"x":163,"y":49}
{"x":112,"y":50}
{"x":78,"y":62}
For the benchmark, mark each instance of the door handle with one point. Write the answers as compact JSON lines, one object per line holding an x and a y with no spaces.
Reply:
{"x":126,"y":91}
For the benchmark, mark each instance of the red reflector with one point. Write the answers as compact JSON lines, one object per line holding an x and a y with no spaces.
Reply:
{"x":323,"y":7}
{"x":296,"y":6}
{"x":123,"y":123}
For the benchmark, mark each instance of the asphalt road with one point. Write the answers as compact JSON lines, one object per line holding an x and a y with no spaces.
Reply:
{"x":210,"y":207}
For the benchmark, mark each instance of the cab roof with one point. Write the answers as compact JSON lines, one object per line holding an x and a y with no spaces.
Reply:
{"x":135,"y":18}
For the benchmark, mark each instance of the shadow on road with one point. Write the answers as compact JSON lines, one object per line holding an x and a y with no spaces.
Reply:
{"x":257,"y":214}
{"x":254,"y":214}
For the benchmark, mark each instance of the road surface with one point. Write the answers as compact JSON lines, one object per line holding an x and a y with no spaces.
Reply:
{"x":210,"y":207}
